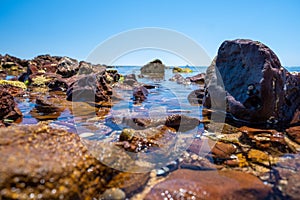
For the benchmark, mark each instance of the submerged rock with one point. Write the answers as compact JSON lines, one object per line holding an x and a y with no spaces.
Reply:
{"x":47,"y":107}
{"x":45,"y":163}
{"x":176,"y":121}
{"x":256,"y":87}
{"x":190,"y":184}
{"x":146,"y":140}
{"x":196,"y":97}
{"x":181,"y":122}
{"x":286,"y":177}
{"x":130,"y":183}
{"x":140,"y":94}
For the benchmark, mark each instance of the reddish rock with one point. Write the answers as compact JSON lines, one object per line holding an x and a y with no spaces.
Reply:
{"x":40,"y":65}
{"x":222,"y":150}
{"x":286,"y":177}
{"x":180,"y":79}
{"x":47,"y":107}
{"x":8,"y":107}
{"x":150,"y":139}
{"x":58,"y":84}
{"x":3,"y":74}
{"x":88,"y":68}
{"x":44,"y":63}
{"x":294,"y":133}
{"x":130,"y":183}
{"x":269,"y":140}
{"x":189,"y":184}
{"x":199,"y":78}
{"x":8,"y":62}
{"x":140,"y":94}
{"x":91,"y":87}
{"x":257,"y":88}
{"x":130,"y":79}
{"x":67,"y":67}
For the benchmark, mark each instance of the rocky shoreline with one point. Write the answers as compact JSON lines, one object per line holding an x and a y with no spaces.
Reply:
{"x":254,"y":155}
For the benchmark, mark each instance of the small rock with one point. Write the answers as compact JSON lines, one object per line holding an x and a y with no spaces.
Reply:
{"x":179,"y":79}
{"x":294,"y":133}
{"x":181,"y":122}
{"x":140,"y":94}
{"x":113,"y":194}
{"x":181,"y":70}
{"x":271,"y":141}
{"x":258,"y":156}
{"x":199,"y":78}
{"x":222,"y":150}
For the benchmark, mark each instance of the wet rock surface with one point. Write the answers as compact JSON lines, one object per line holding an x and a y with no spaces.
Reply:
{"x":45,"y":163}
{"x":146,"y":140}
{"x":8,"y":107}
{"x":286,"y":177}
{"x":49,"y":107}
{"x":196,"y":97}
{"x":140,"y":94}
{"x":294,"y":133}
{"x":269,"y":140}
{"x":89,"y":88}
{"x":130,"y":183}
{"x":190,"y":184}
{"x":178,"y":78}
{"x":199,"y":78}
{"x":257,"y":87}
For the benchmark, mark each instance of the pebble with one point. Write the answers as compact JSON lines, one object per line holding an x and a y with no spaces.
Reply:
{"x":113,"y":194}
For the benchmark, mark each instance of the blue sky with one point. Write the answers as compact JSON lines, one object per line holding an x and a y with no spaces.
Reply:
{"x":75,"y":27}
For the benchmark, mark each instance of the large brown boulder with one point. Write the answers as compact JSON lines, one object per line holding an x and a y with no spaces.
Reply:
{"x":39,"y":162}
{"x":256,"y":87}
